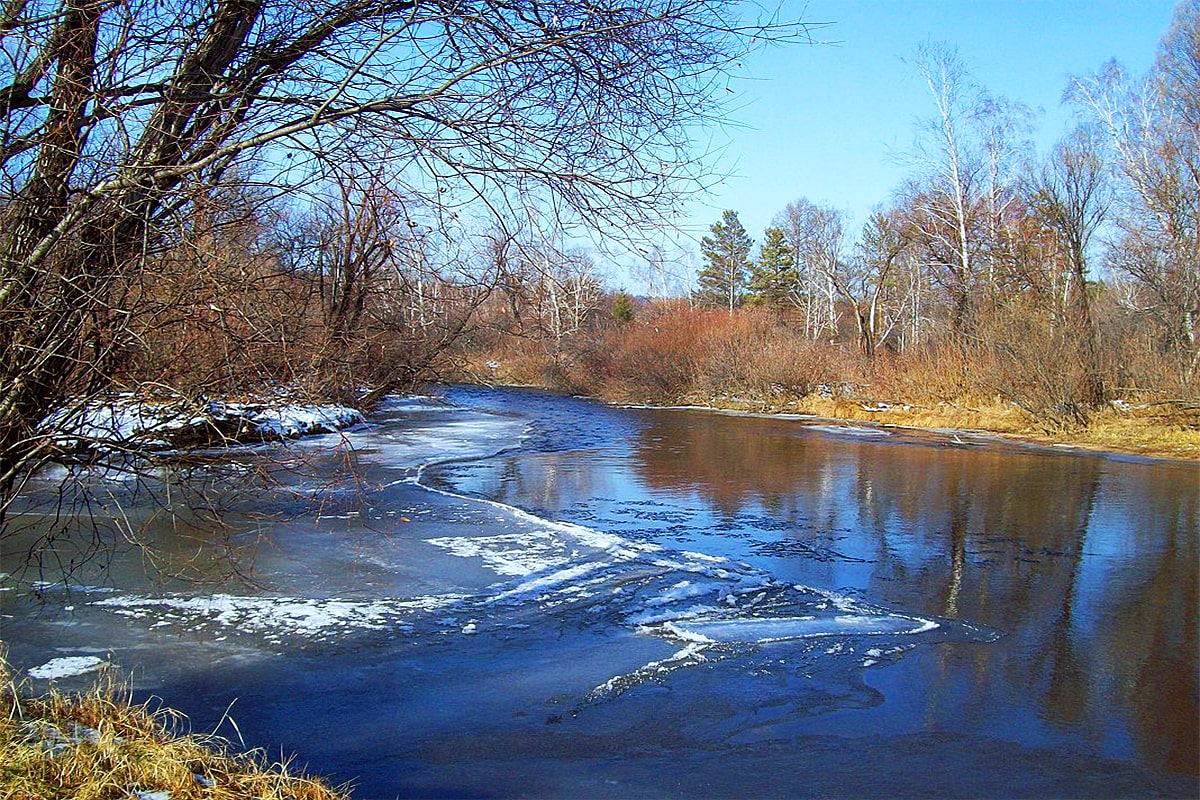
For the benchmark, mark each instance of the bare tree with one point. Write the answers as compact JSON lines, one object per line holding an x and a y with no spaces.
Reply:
{"x":816,"y":235}
{"x":1071,"y":198}
{"x":112,"y":116}
{"x":1153,"y":131}
{"x":1003,"y":127}
{"x":872,"y":281}
{"x":949,"y":194}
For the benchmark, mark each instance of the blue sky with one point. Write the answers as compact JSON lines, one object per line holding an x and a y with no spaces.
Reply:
{"x":829,"y":122}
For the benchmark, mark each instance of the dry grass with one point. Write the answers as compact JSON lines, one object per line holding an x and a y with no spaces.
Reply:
{"x":1150,"y":429}
{"x":98,"y":746}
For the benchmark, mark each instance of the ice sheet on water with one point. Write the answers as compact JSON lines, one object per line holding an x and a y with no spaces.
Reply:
{"x":439,"y":439}
{"x":414,"y":403}
{"x":714,"y":609}
{"x":275,"y":618}
{"x":707,"y":606}
{"x":848,"y":430}
{"x":66,"y":667}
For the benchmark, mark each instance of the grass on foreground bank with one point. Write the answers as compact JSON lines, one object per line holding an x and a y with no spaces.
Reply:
{"x":97,"y":746}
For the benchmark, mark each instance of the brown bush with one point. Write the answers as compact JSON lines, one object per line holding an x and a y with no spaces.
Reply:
{"x":655,"y":358}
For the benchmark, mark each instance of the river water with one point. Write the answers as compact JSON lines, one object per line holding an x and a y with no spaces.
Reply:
{"x":502,"y":593}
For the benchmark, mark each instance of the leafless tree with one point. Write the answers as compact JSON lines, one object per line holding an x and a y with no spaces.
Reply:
{"x":1153,"y":131}
{"x":1003,"y":127}
{"x":871,"y":284}
{"x":1072,"y":200}
{"x":948,"y":195}
{"x":115,"y":117}
{"x":816,"y":235}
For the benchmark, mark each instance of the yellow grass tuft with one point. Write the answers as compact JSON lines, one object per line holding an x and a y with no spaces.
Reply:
{"x":98,"y":745}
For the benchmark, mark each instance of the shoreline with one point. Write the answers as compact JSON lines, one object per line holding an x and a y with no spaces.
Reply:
{"x":1145,"y":436}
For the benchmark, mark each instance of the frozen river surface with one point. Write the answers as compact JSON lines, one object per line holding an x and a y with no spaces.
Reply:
{"x":508,"y":593}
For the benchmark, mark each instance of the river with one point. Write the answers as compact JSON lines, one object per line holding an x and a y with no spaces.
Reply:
{"x":500,"y":593}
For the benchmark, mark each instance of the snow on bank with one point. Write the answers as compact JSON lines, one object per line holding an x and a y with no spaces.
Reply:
{"x":290,"y":421}
{"x":124,"y":421}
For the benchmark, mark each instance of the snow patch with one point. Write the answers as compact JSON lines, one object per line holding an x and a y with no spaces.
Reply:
{"x":516,"y":554}
{"x":127,"y":421}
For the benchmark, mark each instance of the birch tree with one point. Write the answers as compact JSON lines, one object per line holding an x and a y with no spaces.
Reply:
{"x":815,"y":235}
{"x":1153,"y":133}
{"x":948,"y":196}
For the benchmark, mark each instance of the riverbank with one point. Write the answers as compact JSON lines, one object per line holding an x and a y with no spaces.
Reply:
{"x":1150,"y":429}
{"x":98,"y":745}
{"x":1159,"y":430}
{"x":127,"y":422}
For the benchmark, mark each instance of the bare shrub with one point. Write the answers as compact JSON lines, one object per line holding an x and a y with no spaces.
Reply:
{"x":1030,"y":360}
{"x":655,"y":360}
{"x":730,"y":351}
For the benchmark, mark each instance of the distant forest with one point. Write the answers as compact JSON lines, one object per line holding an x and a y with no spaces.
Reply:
{"x":1060,"y":283}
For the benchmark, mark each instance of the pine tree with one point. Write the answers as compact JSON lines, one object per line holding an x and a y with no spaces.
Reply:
{"x":722,"y":282}
{"x":774,"y":277}
{"x":622,"y":310}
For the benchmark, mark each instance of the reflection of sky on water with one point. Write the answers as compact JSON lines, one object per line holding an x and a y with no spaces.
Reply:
{"x":1087,"y":564}
{"x":495,"y":652}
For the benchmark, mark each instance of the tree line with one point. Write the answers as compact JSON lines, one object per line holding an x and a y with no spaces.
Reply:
{"x":1093,"y":250}
{"x":993,"y":278}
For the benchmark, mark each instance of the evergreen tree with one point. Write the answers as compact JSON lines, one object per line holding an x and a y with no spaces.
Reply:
{"x":623,"y":307}
{"x":774,"y":277}
{"x":722,"y":281}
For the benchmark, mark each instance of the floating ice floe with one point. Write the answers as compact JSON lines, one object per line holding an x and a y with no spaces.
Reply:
{"x":754,"y":630}
{"x":66,"y":667}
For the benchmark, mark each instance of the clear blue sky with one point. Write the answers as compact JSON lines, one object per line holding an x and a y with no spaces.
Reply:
{"x":827,"y":122}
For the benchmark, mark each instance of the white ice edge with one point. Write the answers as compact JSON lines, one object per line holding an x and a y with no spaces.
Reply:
{"x":847,"y":430}
{"x":763,"y":630}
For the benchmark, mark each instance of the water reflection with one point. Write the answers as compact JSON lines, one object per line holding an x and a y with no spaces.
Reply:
{"x":1088,"y":565}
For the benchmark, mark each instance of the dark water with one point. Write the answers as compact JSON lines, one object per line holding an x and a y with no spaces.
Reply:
{"x":734,"y":607}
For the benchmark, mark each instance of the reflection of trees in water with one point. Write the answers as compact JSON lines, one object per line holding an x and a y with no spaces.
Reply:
{"x":714,"y":456}
{"x":1089,"y":565}
{"x":544,"y":481}
{"x":1151,"y":635}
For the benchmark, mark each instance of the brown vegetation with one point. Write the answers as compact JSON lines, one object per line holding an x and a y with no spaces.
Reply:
{"x":98,"y":746}
{"x":1019,"y":376}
